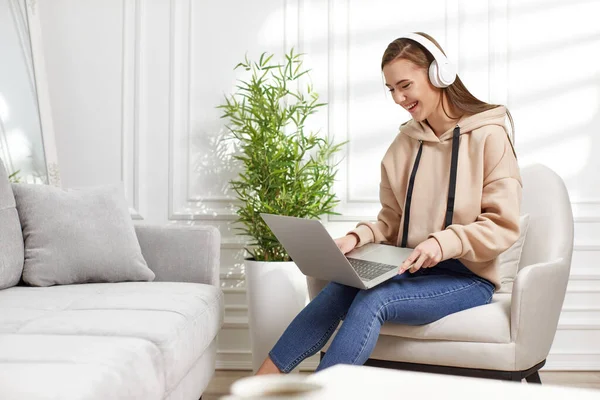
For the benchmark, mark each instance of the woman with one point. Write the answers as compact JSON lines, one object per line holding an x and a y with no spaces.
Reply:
{"x":450,"y":188}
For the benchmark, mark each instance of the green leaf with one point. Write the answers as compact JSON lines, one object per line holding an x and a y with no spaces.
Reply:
{"x":282,"y":169}
{"x":14,"y":177}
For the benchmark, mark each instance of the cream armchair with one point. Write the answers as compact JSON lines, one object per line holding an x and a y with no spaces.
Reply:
{"x":509,"y":338}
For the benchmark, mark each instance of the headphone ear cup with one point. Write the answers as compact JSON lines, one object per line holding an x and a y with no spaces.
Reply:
{"x":446,"y":73}
{"x":434,"y":75}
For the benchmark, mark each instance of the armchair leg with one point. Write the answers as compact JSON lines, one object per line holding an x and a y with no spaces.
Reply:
{"x":515,"y":377}
{"x":534,"y":378}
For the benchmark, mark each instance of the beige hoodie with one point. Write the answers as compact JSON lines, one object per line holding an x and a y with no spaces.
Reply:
{"x":488,"y":192}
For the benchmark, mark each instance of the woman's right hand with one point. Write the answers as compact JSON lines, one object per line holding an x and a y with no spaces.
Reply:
{"x":347,"y":243}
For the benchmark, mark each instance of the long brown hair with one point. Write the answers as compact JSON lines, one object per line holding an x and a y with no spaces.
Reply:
{"x":457,"y":93}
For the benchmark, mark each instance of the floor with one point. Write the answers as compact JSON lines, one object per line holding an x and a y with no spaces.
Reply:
{"x":219,"y":385}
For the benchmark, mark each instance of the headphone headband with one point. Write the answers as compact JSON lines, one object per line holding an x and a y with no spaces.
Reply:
{"x":442,"y":72}
{"x":429,"y":45}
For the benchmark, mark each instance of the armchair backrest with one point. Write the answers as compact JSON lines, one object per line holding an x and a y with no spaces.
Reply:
{"x":550,"y":232}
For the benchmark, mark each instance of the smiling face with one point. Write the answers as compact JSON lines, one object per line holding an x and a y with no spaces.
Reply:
{"x":411,"y":89}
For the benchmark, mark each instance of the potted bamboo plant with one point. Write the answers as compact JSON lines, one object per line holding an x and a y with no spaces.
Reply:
{"x":284,"y":169}
{"x":14,"y":177}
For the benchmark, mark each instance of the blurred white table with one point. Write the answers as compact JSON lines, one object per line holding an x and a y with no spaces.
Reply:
{"x":359,"y":382}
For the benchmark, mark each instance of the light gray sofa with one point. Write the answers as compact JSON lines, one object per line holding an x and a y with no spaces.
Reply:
{"x":129,"y":340}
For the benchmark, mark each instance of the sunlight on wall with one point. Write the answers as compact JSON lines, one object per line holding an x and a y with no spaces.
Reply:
{"x":4,"y":112}
{"x":557,"y":122}
{"x":554,"y":91}
{"x":270,"y":32}
{"x":19,"y":145}
{"x":567,"y":157}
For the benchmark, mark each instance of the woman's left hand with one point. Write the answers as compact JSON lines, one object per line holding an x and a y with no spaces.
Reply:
{"x":425,"y":255}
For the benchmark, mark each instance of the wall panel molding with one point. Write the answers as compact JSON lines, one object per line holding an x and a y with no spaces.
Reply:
{"x":179,"y":97}
{"x":183,"y":206}
{"x":131,"y":99}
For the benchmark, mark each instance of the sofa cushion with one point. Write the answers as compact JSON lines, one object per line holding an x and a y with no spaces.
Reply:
{"x":78,"y":236}
{"x":11,"y":239}
{"x":65,"y":367}
{"x":180,"y":319}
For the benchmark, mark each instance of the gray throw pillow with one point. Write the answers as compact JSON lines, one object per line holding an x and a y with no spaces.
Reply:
{"x":78,"y":236}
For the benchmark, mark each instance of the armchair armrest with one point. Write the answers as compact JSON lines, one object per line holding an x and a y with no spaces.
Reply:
{"x":537,"y":300}
{"x":181,"y":253}
{"x":314,"y":286}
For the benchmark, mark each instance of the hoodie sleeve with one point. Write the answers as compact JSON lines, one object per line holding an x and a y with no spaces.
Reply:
{"x":497,"y":227}
{"x":385,"y":230}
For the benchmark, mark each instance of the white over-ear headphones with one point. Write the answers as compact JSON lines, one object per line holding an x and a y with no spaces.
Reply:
{"x":442,"y":72}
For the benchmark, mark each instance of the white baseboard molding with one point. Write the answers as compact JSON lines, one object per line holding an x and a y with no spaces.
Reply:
{"x":241,"y":360}
{"x":571,"y":366}
{"x":572,"y":362}
{"x":247,"y":366}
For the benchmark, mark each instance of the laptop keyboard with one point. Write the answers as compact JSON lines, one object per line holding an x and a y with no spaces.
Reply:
{"x":368,"y":270}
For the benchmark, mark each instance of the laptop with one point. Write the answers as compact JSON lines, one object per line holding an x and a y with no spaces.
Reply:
{"x":315,"y":253}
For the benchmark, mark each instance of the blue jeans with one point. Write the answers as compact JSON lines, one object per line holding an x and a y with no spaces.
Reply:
{"x":410,"y":299}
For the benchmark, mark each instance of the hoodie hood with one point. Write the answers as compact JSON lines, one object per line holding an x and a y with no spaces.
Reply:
{"x":422,"y":131}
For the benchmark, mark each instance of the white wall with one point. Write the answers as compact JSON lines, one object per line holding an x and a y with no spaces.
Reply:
{"x":134,"y":85}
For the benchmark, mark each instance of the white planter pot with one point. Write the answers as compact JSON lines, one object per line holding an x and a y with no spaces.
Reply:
{"x":276,"y":292}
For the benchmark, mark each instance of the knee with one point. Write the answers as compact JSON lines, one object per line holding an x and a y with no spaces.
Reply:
{"x":338,"y":290}
{"x":369,"y":302}
{"x":337,"y":293}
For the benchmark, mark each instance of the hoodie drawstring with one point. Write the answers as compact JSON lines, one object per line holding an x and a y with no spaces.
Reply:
{"x":451,"y":185}
{"x":411,"y":184}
